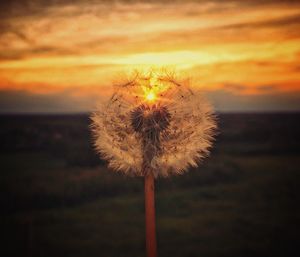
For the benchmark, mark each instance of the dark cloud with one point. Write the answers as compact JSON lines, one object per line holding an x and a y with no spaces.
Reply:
{"x":17,"y":8}
{"x":6,"y":27}
{"x":239,"y":88}
{"x":103,"y":44}
{"x":19,"y":101}
{"x":293,"y":20}
{"x":31,"y":7}
{"x":267,"y":88}
{"x":234,"y":87}
{"x":15,"y":54}
{"x":286,"y":27}
{"x":224,"y":100}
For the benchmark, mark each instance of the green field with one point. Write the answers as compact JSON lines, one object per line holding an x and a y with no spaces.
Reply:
{"x":242,"y":201}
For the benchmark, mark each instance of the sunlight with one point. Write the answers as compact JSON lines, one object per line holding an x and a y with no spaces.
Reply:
{"x":150,"y":96}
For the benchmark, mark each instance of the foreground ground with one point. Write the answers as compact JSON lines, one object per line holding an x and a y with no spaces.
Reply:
{"x":58,"y":199}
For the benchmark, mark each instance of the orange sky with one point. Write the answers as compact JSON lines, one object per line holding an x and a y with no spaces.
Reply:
{"x":62,"y":57}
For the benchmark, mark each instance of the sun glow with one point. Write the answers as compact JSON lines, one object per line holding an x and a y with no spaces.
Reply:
{"x":45,"y":56}
{"x":150,"y":96}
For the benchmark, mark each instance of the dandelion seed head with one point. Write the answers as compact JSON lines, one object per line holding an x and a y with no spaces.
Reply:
{"x":156,"y":122}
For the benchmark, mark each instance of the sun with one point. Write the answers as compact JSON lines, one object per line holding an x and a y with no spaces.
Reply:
{"x":150,"y":96}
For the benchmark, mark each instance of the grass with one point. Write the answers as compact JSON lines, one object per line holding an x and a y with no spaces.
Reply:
{"x":218,"y":219}
{"x":237,"y":204}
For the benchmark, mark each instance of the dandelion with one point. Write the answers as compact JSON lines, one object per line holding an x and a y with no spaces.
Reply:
{"x":153,"y":125}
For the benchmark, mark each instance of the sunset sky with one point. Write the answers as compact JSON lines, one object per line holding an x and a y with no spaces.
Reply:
{"x":61,"y":56}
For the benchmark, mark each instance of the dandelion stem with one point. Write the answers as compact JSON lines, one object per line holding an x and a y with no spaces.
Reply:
{"x":151,"y":247}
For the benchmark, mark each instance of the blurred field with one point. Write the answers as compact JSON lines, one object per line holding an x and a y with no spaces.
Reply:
{"x":58,"y":199}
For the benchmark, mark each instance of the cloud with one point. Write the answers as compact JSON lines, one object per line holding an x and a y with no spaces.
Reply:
{"x":119,"y":27}
{"x":25,"y":102}
{"x":72,"y":101}
{"x":18,"y":54}
{"x":290,"y":20}
{"x":73,"y":47}
{"x":239,"y":89}
{"x":67,"y":101}
{"x":229,"y":102}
